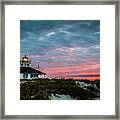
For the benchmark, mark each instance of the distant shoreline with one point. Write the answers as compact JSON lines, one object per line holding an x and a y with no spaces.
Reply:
{"x":70,"y":79}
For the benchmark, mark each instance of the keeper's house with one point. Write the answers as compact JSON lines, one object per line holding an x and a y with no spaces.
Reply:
{"x":27,"y":72}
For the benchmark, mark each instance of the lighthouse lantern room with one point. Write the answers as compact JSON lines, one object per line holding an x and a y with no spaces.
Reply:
{"x":25,"y":62}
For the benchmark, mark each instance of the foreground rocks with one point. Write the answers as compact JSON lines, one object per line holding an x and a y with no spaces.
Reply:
{"x":46,"y":89}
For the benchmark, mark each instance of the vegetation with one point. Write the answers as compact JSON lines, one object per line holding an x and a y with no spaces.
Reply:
{"x":43,"y":89}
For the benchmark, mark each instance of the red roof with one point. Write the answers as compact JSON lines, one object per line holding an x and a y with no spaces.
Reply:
{"x":30,"y":70}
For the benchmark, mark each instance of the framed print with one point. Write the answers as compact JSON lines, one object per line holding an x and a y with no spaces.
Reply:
{"x":60,"y":60}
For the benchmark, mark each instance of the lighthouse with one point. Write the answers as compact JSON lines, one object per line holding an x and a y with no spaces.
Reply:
{"x":27,"y":72}
{"x":25,"y":62}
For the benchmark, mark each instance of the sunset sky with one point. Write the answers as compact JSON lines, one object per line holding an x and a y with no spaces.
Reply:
{"x":62,"y":48}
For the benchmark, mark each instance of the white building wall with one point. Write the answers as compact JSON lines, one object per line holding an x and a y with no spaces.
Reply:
{"x":21,"y":76}
{"x":41,"y":76}
{"x":29,"y":76}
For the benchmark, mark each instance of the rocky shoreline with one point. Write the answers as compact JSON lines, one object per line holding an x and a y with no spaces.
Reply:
{"x":46,"y":89}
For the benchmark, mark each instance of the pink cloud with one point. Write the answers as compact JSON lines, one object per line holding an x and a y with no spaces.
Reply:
{"x":72,"y":70}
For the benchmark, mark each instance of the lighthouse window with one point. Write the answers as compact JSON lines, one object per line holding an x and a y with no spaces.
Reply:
{"x":25,"y":75}
{"x":35,"y":75}
{"x":31,"y":75}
